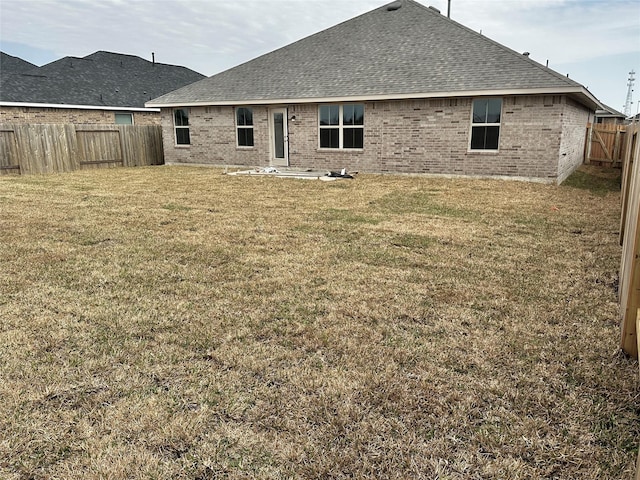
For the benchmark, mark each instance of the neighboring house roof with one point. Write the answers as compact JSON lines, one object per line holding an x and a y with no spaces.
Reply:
{"x":389,"y":52}
{"x":100,"y":79}
{"x":607,"y":111}
{"x":11,"y":64}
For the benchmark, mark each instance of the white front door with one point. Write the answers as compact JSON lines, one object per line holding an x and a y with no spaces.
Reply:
{"x":279,"y":137}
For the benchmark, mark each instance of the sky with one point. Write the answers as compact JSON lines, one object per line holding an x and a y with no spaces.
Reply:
{"x":596,"y":42}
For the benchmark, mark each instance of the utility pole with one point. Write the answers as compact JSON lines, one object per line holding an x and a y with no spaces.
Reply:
{"x":629,"y":101}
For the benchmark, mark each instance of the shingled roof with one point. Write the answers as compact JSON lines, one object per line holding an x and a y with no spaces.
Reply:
{"x":100,"y":79}
{"x":400,"y":50}
{"x":11,"y":64}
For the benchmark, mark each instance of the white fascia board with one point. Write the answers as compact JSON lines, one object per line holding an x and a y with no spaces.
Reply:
{"x":588,"y":98}
{"x":78,"y":107}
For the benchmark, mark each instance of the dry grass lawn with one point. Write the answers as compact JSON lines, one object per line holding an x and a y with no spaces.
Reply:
{"x":172,"y":322}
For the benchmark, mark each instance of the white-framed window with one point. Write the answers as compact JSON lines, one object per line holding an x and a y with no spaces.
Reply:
{"x":341,"y":126}
{"x":485,"y":123}
{"x":181,"y":126}
{"x":244,"y":126}
{"x":124,"y":118}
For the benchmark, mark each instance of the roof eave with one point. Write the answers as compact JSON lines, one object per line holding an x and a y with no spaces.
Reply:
{"x":581,"y":94}
{"x":79,"y":107}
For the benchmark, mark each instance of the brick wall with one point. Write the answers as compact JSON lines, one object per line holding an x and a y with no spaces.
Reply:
{"x":213,"y":138}
{"x":25,"y":115}
{"x":572,"y":142}
{"x":403,"y":136}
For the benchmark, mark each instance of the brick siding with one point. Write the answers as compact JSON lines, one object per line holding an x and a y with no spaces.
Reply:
{"x":213,"y":138}
{"x":572,"y":143}
{"x":25,"y":115}
{"x":541,"y":138}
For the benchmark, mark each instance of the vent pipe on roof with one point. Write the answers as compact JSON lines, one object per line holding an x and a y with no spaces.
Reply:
{"x":153,"y":58}
{"x":449,"y":9}
{"x":392,"y":7}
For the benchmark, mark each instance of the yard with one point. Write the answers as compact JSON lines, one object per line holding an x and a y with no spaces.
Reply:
{"x":167,"y":322}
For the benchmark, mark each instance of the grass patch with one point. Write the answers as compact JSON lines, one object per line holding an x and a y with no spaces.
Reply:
{"x":388,"y":327}
{"x":421,"y":202}
{"x":346,"y":216}
{"x":413,"y":241}
{"x":175,"y":208}
{"x":598,"y":181}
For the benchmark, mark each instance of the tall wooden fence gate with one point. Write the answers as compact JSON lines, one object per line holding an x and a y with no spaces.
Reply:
{"x":49,"y":148}
{"x":605,"y":144}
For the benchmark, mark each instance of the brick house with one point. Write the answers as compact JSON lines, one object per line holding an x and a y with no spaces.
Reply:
{"x":609,"y":116}
{"x":400,"y":89}
{"x":101,"y":88}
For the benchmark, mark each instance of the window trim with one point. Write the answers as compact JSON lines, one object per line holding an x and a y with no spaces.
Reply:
{"x":115,"y":118}
{"x":474,"y":124}
{"x":245,"y":127}
{"x":340,"y":127}
{"x":176,"y":127}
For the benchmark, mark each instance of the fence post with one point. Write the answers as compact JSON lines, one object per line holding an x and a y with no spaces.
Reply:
{"x":616,"y":149}
{"x":587,"y":155}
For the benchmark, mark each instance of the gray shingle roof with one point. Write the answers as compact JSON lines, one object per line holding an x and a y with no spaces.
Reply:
{"x":607,"y":111}
{"x":11,"y":64}
{"x":99,"y":79}
{"x":411,"y":50}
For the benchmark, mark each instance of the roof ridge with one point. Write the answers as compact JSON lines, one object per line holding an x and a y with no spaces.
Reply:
{"x":114,"y":53}
{"x":70,"y":57}
{"x":295,"y":42}
{"x":93,"y":76}
{"x":138,"y":57}
{"x":14,"y":56}
{"x":511,"y":51}
{"x":399,"y":49}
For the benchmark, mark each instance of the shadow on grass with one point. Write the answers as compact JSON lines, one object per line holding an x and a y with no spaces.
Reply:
{"x":598,"y":180}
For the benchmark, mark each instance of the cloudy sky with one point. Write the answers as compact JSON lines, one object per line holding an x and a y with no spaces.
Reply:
{"x":597,"y":42}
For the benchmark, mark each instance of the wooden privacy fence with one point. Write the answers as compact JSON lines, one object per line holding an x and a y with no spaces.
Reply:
{"x":49,"y":148}
{"x":629,"y":287}
{"x":605,"y":144}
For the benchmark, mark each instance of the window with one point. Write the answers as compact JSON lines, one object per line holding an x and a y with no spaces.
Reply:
{"x":244,"y":126}
{"x":485,"y":124}
{"x":181,"y":124}
{"x":341,"y":126}
{"x":124,"y":118}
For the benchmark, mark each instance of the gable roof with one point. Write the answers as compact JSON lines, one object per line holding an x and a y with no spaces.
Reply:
{"x":390,"y":52}
{"x":100,"y":79}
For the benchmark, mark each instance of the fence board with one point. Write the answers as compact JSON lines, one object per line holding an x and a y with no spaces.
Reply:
{"x":627,"y":167}
{"x":629,"y":289}
{"x":47,"y":148}
{"x":8,"y":152}
{"x":100,"y":148}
